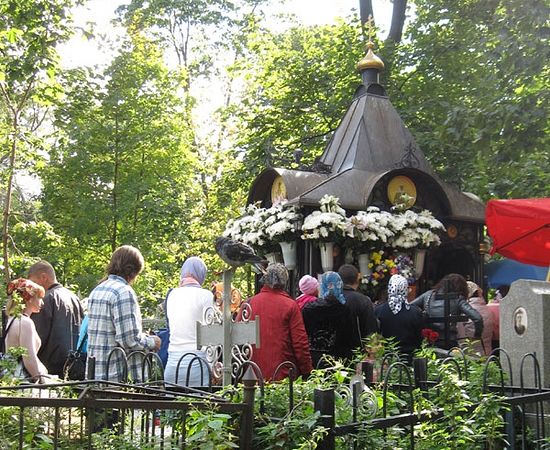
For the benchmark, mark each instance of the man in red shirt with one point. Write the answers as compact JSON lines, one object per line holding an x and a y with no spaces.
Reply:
{"x":282,"y":333}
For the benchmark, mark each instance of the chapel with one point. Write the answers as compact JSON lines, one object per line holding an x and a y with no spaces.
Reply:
{"x":373,"y":159}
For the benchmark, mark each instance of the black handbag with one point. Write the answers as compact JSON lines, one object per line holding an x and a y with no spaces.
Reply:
{"x":75,"y":364}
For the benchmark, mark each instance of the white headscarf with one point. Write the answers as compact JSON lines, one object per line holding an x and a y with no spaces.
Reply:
{"x":398,"y":288}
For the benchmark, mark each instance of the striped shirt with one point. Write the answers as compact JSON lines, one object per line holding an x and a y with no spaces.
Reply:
{"x":115,"y":321}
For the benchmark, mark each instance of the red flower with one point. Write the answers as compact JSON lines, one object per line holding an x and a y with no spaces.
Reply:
{"x":430,"y":335}
{"x":26,"y":288}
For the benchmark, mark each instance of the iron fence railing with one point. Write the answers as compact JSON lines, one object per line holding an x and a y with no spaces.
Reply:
{"x":153,"y":414}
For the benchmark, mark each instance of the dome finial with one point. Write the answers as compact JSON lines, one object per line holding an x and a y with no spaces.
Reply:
{"x":370,"y":60}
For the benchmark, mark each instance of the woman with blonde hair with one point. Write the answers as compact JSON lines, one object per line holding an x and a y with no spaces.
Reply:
{"x":20,"y":329}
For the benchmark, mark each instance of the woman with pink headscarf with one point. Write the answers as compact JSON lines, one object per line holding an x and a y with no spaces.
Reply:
{"x":309,"y":286}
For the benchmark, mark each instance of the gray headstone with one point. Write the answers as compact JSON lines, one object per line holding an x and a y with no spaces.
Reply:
{"x":525,"y":328}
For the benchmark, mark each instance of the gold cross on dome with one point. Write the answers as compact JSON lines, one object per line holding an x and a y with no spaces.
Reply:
{"x":371,"y":30}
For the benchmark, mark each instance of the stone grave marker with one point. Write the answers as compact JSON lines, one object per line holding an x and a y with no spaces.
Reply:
{"x":525,"y":328}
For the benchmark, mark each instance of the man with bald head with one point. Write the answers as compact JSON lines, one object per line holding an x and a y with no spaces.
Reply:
{"x":58,"y":322}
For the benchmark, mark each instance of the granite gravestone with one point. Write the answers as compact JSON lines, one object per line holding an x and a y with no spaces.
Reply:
{"x":525,"y":328}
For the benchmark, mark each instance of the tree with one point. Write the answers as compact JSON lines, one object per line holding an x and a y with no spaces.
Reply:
{"x":193,"y":29}
{"x":29,"y":33}
{"x":471,"y":84}
{"x":297,"y":87}
{"x":123,"y":171}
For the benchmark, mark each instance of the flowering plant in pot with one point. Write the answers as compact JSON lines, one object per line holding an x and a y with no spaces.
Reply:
{"x":250,"y":229}
{"x":282,"y":226}
{"x":371,"y":229}
{"x":283,"y":222}
{"x":415,"y":230}
{"x":327,"y":226}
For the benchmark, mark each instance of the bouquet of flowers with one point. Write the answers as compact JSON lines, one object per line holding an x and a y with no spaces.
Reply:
{"x":430,"y":335}
{"x":382,"y":268}
{"x":383,"y":265}
{"x":249,"y":228}
{"x":415,"y":230}
{"x":283,"y":222}
{"x":371,"y":229}
{"x":327,"y":224}
{"x":404,"y":266}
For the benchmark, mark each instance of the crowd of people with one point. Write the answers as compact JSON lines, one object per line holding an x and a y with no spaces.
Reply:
{"x":331,"y":318}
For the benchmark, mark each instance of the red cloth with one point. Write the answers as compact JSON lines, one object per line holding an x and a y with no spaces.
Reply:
{"x":282,"y":334}
{"x":520,"y":229}
{"x":304,"y":299}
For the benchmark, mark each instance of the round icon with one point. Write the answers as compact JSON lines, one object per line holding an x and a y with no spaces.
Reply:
{"x":278,"y":190}
{"x":402,"y":190}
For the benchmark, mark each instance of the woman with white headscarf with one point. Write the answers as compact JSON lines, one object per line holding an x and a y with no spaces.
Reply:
{"x":185,"y":306}
{"x":399,"y":319}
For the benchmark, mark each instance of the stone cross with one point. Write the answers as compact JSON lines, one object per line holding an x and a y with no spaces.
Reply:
{"x":227,"y":333}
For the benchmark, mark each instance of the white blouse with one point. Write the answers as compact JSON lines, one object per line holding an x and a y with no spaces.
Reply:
{"x":185,"y":307}
{"x":22,"y":333}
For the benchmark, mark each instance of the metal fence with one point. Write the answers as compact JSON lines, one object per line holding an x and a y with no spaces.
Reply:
{"x":521,"y":407}
{"x":111,"y":414}
{"x":153,"y":415}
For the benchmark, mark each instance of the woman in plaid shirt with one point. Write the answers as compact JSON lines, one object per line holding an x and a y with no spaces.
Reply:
{"x":115,"y":318}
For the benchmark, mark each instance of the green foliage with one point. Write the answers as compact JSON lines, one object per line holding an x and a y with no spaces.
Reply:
{"x":101,"y":187}
{"x":469,"y":84}
{"x":297,"y":86}
{"x":29,"y":33}
{"x":207,"y":429}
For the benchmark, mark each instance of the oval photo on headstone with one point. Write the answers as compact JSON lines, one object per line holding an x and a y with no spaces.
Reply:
{"x":520,"y":320}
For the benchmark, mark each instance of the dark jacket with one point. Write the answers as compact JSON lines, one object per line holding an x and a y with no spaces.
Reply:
{"x":58,"y":325}
{"x":362,"y":315}
{"x":433,"y":306}
{"x":405,"y":326}
{"x":329,"y":329}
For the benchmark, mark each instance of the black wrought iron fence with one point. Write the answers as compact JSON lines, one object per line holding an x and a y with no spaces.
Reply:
{"x":101,"y":414}
{"x":153,"y":415}
{"x":521,"y":408}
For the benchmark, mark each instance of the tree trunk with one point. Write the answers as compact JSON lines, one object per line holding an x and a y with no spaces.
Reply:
{"x":7,"y":204}
{"x":114,"y":230}
{"x":365,"y":10}
{"x":397,"y":21}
